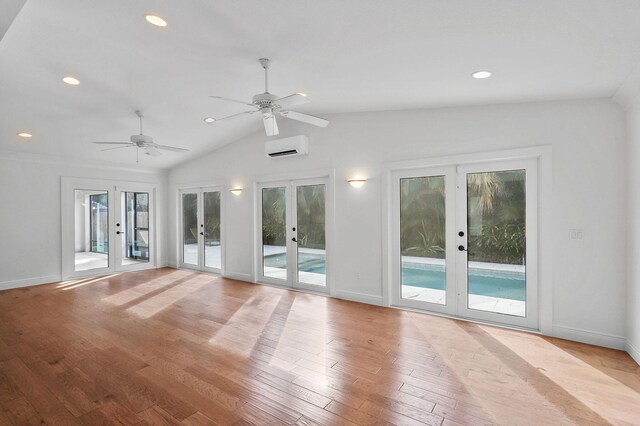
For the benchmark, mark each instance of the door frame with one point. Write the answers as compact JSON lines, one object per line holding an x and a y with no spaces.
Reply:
{"x":67,"y":223}
{"x":543,"y":155}
{"x":199,"y":190}
{"x":449,"y":173}
{"x":260,"y":277}
{"x":119,"y":189}
{"x":530,"y":321}
{"x":286,"y":179}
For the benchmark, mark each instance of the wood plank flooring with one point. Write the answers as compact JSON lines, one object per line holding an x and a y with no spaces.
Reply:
{"x":177,"y":347}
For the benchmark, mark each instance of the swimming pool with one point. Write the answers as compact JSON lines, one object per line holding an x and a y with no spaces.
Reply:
{"x":308,"y":262}
{"x":482,"y":281}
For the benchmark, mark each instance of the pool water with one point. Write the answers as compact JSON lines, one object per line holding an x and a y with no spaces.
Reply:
{"x":307,"y":262}
{"x":483,"y":282}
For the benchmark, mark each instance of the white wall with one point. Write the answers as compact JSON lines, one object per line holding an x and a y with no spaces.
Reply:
{"x":633,"y":235}
{"x":30,"y":247}
{"x":589,"y":171}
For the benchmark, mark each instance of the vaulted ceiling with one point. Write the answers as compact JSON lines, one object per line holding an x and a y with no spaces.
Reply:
{"x":356,"y":55}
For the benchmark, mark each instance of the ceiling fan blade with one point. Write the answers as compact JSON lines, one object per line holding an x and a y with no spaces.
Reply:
{"x":151,"y":150}
{"x":305,"y":118}
{"x":129,"y":145}
{"x":234,"y":116}
{"x":231,"y":100}
{"x":113,"y":143}
{"x":270,"y":125}
{"x":292,"y":100}
{"x":171,"y":148}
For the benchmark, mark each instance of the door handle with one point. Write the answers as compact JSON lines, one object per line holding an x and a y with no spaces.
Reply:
{"x":461,"y":248}
{"x":118,"y":232}
{"x":202,"y":233}
{"x":294,"y":240}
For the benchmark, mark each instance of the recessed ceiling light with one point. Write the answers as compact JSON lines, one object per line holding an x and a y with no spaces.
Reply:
{"x":25,"y":135}
{"x":481,"y":74}
{"x":209,"y":120}
{"x":71,"y":80}
{"x":155,"y":20}
{"x":302,"y":94}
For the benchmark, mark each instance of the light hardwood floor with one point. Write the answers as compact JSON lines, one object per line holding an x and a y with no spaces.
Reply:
{"x":177,"y":347}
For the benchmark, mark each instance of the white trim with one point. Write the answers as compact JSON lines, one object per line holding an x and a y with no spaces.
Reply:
{"x":68,"y":185}
{"x":82,"y":163}
{"x":633,"y":351}
{"x":354,"y":296}
{"x":200,"y":189}
{"x":545,"y":212}
{"x":239,"y":276}
{"x":28,"y":282}
{"x":530,"y":166}
{"x":201,"y":184}
{"x":589,"y":337}
{"x":307,"y":174}
{"x":290,"y":180}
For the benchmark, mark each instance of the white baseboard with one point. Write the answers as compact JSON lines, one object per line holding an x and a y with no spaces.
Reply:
{"x":633,"y":351}
{"x":359,"y":297}
{"x":590,"y":337}
{"x":27,"y":282}
{"x":238,"y":276}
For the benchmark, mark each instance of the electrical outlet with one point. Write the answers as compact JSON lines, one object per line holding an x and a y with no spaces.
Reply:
{"x":576,"y":234}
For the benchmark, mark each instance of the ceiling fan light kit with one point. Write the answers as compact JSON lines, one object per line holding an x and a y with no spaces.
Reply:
{"x":270,"y":105}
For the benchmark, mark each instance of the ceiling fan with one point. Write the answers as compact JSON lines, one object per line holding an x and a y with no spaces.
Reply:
{"x":270,"y":105}
{"x":143,"y":142}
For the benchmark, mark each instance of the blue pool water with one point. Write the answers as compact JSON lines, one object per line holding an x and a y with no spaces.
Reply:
{"x":483,"y":282}
{"x":494,"y":283}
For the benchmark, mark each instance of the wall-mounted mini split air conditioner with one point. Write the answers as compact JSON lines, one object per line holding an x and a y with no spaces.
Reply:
{"x":287,"y":147}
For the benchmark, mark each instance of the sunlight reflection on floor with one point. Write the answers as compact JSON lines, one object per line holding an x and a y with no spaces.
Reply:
{"x":155,"y":304}
{"x":314,"y":333}
{"x":574,"y":376}
{"x":244,"y":328}
{"x":69,"y":285}
{"x":488,"y":379}
{"x":140,"y":290}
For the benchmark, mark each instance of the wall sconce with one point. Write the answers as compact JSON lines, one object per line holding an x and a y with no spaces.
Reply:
{"x":356,"y":183}
{"x":236,"y":191}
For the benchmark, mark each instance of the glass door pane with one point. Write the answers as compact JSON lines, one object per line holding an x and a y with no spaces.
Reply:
{"x":135,"y":228}
{"x":190,"y":252}
{"x":91,"y":225}
{"x":311,"y":247}
{"x":212,"y":248}
{"x":496,"y":242}
{"x":423,"y":239}
{"x":274,"y":232}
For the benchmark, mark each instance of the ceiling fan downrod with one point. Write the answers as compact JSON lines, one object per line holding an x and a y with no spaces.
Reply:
{"x":265,"y":64}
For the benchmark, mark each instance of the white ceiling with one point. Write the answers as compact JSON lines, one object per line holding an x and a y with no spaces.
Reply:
{"x":355,"y":55}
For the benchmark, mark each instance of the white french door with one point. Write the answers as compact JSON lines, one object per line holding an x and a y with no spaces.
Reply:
{"x":134,"y":223}
{"x":292,"y":234}
{"x":465,"y":241}
{"x":106,"y":227}
{"x":200,"y":229}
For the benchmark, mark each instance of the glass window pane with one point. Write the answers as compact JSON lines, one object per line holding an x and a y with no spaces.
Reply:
{"x":422,"y":239}
{"x":212,"y":251}
{"x":496,"y":242}
{"x":190,"y":229}
{"x":274,"y":233}
{"x":91,"y":221}
{"x":135,"y":237}
{"x":310,"y":203}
